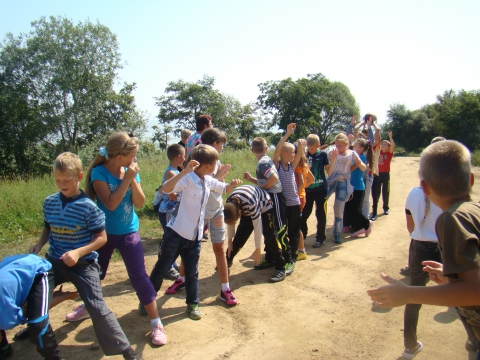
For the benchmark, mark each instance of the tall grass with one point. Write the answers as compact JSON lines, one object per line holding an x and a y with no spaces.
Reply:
{"x":21,"y":216}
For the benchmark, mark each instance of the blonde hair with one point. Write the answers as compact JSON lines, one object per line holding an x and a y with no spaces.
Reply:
{"x":302,"y":163}
{"x":342,"y":137}
{"x":204,"y":154}
{"x":68,"y":161}
{"x":287,"y":146}
{"x":258,"y":145}
{"x":312,"y":140}
{"x":119,"y":143}
{"x":185,"y":134}
{"x":445,"y":167}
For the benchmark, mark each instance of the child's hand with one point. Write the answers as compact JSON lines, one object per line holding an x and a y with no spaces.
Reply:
{"x":247,"y":176}
{"x":303,"y":142}
{"x":351,"y":137}
{"x":70,"y":258}
{"x":230,"y":248}
{"x":291,"y":128}
{"x":133,"y":170}
{"x":390,"y":134}
{"x":222,"y":172}
{"x":435,"y":271}
{"x":257,"y":257}
{"x":333,"y":154}
{"x":389,"y":296}
{"x":191,"y":166}
{"x":35,"y":249}
{"x":65,"y":295}
{"x":235,"y":182}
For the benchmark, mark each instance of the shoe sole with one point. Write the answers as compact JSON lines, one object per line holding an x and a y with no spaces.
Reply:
{"x":79,"y":319}
{"x":317,"y":245}
{"x":194,"y":317}
{"x":176,"y":290}
{"x":276,"y":280}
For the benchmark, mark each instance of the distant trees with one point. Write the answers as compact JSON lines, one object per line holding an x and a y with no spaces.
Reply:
{"x":57,"y":93}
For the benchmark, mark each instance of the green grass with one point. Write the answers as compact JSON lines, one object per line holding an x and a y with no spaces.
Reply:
{"x":21,"y":216}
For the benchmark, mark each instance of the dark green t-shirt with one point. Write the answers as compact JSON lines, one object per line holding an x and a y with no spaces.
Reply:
{"x":317,"y":164}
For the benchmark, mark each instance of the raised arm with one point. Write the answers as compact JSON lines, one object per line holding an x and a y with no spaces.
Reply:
{"x":278,"y":149}
{"x":392,"y":144}
{"x":169,"y":185}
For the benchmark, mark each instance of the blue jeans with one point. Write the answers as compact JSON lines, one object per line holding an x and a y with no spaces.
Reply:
{"x":366,"y":198}
{"x":189,"y":250}
{"x":340,"y":188}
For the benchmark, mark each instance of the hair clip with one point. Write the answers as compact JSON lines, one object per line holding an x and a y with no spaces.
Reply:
{"x":103,"y":151}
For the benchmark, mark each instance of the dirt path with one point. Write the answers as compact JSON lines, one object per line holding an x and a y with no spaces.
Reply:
{"x":322,"y":311}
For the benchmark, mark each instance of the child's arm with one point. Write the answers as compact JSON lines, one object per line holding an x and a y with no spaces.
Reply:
{"x":300,"y":149}
{"x":462,"y":292}
{"x":112,"y":199}
{"x":35,"y":249}
{"x":378,"y":139}
{"x":410,"y":223}
{"x":333,"y":156}
{"x":257,"y":234}
{"x":392,"y":144}
{"x":231,"y":185}
{"x":248,"y":177}
{"x":269,"y":183}
{"x":222,"y":172}
{"x":168,"y":176}
{"x":310,"y":179}
{"x":278,"y":149}
{"x":138,"y":197}
{"x":169,"y":185}
{"x":300,"y":182}
{"x":359,"y":162}
{"x":435,"y":271}
{"x":71,"y":257}
{"x":357,"y":127}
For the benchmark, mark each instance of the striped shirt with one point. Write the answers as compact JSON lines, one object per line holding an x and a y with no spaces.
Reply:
{"x":289,"y":186}
{"x":72,"y":223}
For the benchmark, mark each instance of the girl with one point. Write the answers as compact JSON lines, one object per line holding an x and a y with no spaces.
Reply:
{"x":353,"y":209}
{"x":338,"y":180}
{"x":114,"y":181}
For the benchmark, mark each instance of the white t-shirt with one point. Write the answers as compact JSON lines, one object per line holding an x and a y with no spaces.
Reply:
{"x":424,"y":225}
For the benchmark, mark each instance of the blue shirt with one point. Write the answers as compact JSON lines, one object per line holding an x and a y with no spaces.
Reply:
{"x":72,"y":223}
{"x":123,"y":220}
{"x":356,"y":178}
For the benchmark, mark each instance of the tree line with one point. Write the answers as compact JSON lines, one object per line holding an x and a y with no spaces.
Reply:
{"x":60,"y":91}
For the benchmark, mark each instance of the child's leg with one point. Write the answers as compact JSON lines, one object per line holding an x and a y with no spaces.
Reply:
{"x":375,"y":194}
{"x":281,"y":225}
{"x":6,"y":350}
{"x":86,"y":278}
{"x":105,"y":254}
{"x":170,"y":248}
{"x":358,"y":221}
{"x":190,"y":255}
{"x":320,"y":199}
{"x":217,"y":236}
{"x":307,"y":210}
{"x":340,"y":196}
{"x":366,"y":198}
{"x":244,"y":230}
{"x":386,"y":189}
{"x":162,"y":217}
{"x":131,"y":250}
{"x":293,"y":225}
{"x":38,"y":302}
{"x":271,"y":241}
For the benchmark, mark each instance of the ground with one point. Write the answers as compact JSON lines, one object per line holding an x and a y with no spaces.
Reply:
{"x":321,"y":311}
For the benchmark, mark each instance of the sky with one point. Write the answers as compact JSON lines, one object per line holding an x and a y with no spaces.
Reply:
{"x":386,"y":52}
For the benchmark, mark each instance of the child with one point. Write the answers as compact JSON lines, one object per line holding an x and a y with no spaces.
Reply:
{"x":381,"y":183}
{"x":113,"y":181}
{"x":316,"y":193}
{"x":214,"y":219}
{"x":255,"y":209}
{"x":267,"y":179}
{"x":29,"y":279}
{"x":74,"y":227}
{"x":446,"y":178}
{"x":185,"y":228}
{"x":341,"y":159}
{"x":353,"y":209}
{"x":185,"y":134}
{"x":202,"y":122}
{"x":304,"y":178}
{"x":285,"y":166}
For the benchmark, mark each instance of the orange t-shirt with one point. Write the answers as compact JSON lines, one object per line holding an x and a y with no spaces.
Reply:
{"x":304,"y":171}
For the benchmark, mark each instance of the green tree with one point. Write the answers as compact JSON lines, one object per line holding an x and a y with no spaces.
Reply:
{"x":314,"y":103}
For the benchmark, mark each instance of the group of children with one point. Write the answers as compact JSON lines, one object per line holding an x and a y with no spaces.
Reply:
{"x":83,"y":234}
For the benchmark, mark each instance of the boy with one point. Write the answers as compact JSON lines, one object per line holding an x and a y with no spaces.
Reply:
{"x":267,"y":179}
{"x":185,"y":134}
{"x":317,"y":192}
{"x":382,"y":181}
{"x":185,"y":228}
{"x":285,"y":166}
{"x":255,"y":209}
{"x":446,"y":179}
{"x":75,"y":228}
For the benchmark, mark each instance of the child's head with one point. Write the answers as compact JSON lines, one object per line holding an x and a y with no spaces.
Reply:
{"x":341,"y":142}
{"x":437,"y":139}
{"x":445,"y":170}
{"x":369,"y":116}
{"x":313,"y":143}
{"x":185,"y":134}
{"x":385,"y":145}
{"x":215,"y":138}
{"x":203,"y":122}
{"x":259,"y":146}
{"x":231,"y":212}
{"x":207,"y":157}
{"x":288,"y":152}
{"x":68,"y":172}
{"x":362,"y":146}
{"x":176,"y":154}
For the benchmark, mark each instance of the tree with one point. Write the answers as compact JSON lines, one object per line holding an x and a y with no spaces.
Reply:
{"x":314,"y":103}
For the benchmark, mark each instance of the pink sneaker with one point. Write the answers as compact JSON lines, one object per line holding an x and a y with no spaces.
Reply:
{"x":346,"y":229}
{"x":369,"y":230}
{"x":176,"y":286}
{"x":228,"y":297}
{"x":359,"y":232}
{"x":158,"y":335}
{"x":78,"y":313}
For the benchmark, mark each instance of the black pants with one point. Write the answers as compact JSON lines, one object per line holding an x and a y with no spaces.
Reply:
{"x":381,"y":184}
{"x":353,"y":212}
{"x":280,"y":223}
{"x":419,"y":251}
{"x":272,"y":244}
{"x":320,"y":199}
{"x":292,"y":214}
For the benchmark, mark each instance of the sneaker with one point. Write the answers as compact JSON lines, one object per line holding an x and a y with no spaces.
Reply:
{"x":176,"y":286}
{"x":373,"y":217}
{"x":172,"y":274}
{"x":405,"y":271}
{"x":78,"y":313}
{"x":23,"y":334}
{"x":471,"y":344}
{"x":289,"y":267}
{"x":141,"y":310}
{"x":158,"y":335}
{"x":176,"y":266}
{"x":228,"y":297}
{"x":193,"y":312}
{"x":130,"y":354}
{"x":301,"y":255}
{"x":317,"y":244}
{"x":346,"y":229}
{"x":337,"y":240}
{"x":369,"y":230}
{"x":385,"y":212}
{"x":6,"y":352}
{"x":263,"y":265}
{"x":278,"y":275}
{"x":410,"y":353}
{"x":357,"y":233}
